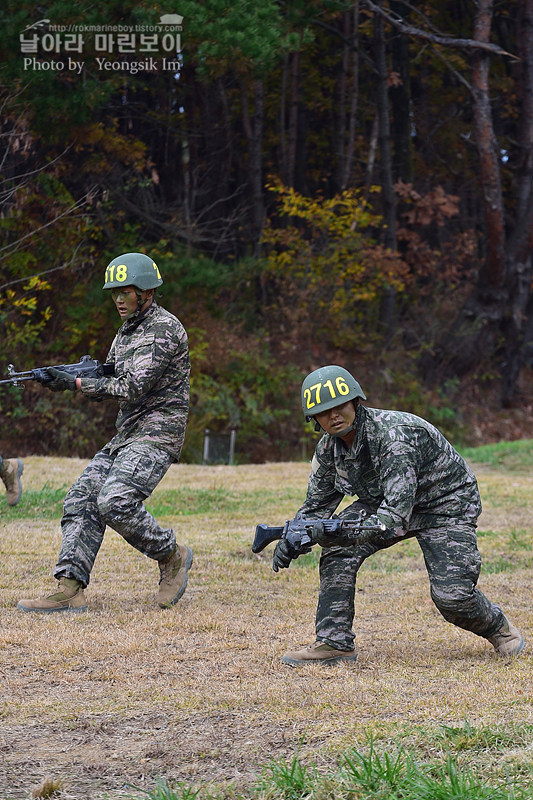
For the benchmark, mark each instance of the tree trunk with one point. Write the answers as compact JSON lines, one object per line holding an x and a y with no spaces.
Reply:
{"x":518,"y":323}
{"x":253,"y":128}
{"x":352,"y":28}
{"x":283,"y":119}
{"x":491,"y":277}
{"x":388,"y":305}
{"x":494,"y":327}
{"x":339,"y":132}
{"x":293,"y":117}
{"x":400,"y":97}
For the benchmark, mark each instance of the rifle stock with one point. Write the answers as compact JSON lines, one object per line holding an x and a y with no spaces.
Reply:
{"x":265,"y":535}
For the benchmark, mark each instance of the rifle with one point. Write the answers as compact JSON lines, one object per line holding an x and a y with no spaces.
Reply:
{"x":86,"y":367}
{"x":297,"y":532}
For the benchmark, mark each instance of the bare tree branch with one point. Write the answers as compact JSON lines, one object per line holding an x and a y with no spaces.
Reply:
{"x":15,"y":245}
{"x":36,"y":275}
{"x":29,"y":174}
{"x":448,"y":41}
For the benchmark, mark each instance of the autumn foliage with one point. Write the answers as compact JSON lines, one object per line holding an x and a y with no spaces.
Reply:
{"x":315,"y":183}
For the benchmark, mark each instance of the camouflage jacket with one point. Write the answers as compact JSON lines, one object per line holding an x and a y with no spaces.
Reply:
{"x":152,"y":369}
{"x":399,"y":464}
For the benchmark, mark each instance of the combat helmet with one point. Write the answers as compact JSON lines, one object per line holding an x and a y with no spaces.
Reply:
{"x":326,"y":388}
{"x":132,"y":269}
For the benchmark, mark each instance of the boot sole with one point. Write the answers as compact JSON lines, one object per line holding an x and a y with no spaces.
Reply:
{"x":188,"y":565}
{"x":297,"y":662}
{"x":66,"y":609}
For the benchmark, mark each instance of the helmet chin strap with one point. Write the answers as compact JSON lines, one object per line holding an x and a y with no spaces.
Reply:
{"x":140,"y":303}
{"x":345,"y":432}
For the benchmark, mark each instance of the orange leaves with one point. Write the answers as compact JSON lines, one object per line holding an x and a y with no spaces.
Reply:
{"x":435,"y":206}
{"x":394,"y":80}
{"x":453,"y":261}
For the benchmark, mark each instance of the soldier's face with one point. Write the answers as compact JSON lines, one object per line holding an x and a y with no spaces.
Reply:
{"x":125,"y":300}
{"x":337,"y":419}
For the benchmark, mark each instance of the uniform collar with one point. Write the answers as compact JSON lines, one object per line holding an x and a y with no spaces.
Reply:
{"x":131,"y":324}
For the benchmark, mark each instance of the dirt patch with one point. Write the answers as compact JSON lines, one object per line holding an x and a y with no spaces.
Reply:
{"x":105,"y":754}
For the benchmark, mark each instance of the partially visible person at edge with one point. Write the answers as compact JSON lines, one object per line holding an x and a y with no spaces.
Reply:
{"x":408,"y":478}
{"x":150,"y":354}
{"x":11,"y":470}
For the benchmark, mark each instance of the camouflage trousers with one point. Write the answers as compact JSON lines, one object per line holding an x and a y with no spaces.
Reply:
{"x":111,"y":491}
{"x":453,"y":563}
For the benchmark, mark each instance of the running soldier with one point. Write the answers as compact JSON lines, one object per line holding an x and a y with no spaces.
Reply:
{"x":408,"y":477}
{"x":150,"y":354}
{"x":11,"y":470}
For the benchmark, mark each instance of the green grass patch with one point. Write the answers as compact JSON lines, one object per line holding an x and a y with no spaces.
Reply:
{"x":493,"y":566}
{"x":520,"y":540}
{"x":184,"y":502}
{"x":165,"y":792}
{"x":517,"y":455}
{"x":45,"y":503}
{"x":484,"y":737}
{"x":371,"y":774}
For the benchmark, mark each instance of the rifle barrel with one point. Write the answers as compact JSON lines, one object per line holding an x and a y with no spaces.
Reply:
{"x":22,"y":376}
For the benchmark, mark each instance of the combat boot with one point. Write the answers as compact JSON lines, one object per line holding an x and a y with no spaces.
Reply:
{"x":508,"y":641}
{"x":70,"y":597}
{"x":173,"y":575}
{"x":10,"y":472}
{"x":318,"y":653}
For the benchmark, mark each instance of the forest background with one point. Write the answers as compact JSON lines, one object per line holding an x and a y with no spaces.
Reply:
{"x":319,"y":182}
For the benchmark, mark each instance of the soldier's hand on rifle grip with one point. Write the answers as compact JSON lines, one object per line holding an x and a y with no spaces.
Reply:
{"x":61,"y":380}
{"x":282,"y":555}
{"x":321,"y":537}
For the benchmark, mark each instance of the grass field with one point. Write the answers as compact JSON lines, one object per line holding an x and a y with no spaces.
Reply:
{"x":127,"y":700}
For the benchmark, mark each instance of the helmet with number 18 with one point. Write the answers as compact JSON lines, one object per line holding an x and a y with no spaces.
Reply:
{"x":132,"y":269}
{"x":326,"y":388}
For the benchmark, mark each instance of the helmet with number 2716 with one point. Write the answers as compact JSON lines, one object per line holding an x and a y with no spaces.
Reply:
{"x":327,"y":387}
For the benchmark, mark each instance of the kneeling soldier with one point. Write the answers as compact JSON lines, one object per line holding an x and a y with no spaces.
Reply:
{"x":408,"y":477}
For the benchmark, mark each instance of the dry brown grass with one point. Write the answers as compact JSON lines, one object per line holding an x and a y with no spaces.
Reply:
{"x":127,"y":693}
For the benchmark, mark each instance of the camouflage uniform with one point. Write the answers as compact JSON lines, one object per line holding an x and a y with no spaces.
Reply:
{"x":151,"y":383}
{"x":415,"y":483}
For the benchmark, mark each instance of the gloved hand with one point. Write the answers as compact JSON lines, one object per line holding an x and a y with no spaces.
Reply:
{"x":62,"y":380}
{"x":282,"y":555}
{"x":319,"y":536}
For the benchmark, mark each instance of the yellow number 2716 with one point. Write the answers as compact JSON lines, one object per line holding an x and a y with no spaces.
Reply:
{"x":313,"y":395}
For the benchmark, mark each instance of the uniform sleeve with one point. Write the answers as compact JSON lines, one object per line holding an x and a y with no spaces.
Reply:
{"x":399,"y":479}
{"x":143,"y":368}
{"x":322,"y":497}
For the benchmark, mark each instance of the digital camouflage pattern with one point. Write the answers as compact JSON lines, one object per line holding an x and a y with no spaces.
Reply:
{"x":111,"y":491}
{"x":418,"y":485}
{"x":152,"y":372}
{"x":399,"y":464}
